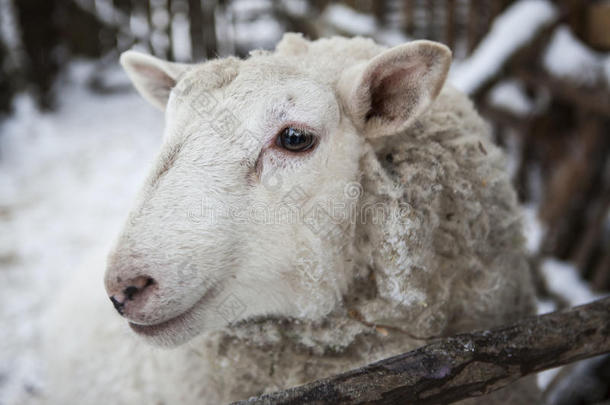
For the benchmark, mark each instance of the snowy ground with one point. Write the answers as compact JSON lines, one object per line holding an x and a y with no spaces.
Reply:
{"x":67,"y":180}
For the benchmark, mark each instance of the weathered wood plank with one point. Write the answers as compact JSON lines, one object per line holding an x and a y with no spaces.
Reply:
{"x":464,"y":366}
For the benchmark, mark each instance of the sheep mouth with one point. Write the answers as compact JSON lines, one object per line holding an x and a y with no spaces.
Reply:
{"x":182,"y":324}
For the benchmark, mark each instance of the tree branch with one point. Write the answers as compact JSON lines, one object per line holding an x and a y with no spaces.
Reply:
{"x":465,"y":365}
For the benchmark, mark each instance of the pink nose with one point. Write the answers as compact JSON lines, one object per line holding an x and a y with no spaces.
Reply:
{"x":131,"y":295}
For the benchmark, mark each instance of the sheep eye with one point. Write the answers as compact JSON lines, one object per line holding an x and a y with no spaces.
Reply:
{"x":295,"y":140}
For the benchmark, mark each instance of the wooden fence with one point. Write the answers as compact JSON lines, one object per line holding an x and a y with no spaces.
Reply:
{"x":458,"y":23}
{"x":53,"y":31}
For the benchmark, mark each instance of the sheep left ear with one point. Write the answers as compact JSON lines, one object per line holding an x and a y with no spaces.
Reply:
{"x":153,"y":78}
{"x":388,"y":93}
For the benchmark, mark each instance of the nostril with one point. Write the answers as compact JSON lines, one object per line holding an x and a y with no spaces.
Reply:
{"x":130,"y":292}
{"x":138,"y":285}
{"x":117,"y":305}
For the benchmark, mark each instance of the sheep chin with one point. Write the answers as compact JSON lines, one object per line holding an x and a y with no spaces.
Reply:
{"x":179,"y":329}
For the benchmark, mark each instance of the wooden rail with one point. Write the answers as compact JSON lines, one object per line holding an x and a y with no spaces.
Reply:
{"x":465,"y":365}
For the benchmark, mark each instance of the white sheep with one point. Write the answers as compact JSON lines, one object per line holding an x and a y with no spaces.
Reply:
{"x":312,"y":209}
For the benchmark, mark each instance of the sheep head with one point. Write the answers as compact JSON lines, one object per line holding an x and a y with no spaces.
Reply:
{"x":251,"y":207}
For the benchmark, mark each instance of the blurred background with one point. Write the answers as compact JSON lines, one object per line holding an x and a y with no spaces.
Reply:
{"x":75,"y":140}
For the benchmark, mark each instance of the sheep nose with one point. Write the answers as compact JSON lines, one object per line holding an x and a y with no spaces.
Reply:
{"x":131,"y":293}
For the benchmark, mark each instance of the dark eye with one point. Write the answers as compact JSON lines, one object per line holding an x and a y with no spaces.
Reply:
{"x":296,"y":140}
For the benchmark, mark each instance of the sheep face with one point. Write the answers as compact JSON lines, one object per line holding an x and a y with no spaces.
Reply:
{"x":251,"y":207}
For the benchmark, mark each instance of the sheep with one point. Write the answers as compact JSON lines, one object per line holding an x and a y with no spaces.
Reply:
{"x":312,"y":209}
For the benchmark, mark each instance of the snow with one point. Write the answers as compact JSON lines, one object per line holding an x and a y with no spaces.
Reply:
{"x":105,"y":9}
{"x":545,"y":306}
{"x":391,"y":37}
{"x":510,"y":95}
{"x":296,"y":8}
{"x":349,"y":21}
{"x":546,"y":377}
{"x":253,"y":24}
{"x":344,"y":20}
{"x":8,"y":25}
{"x":567,"y":57}
{"x":181,"y":40}
{"x":225,"y":31}
{"x":533,"y":229}
{"x":244,"y":7}
{"x":564,"y":280}
{"x":160,"y":18}
{"x":264,"y":31}
{"x":67,"y":181}
{"x":138,"y":25}
{"x":510,"y":31}
{"x":159,"y":42}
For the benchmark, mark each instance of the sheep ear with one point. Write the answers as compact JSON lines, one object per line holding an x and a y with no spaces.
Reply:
{"x":388,"y":93}
{"x":152,"y":77}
